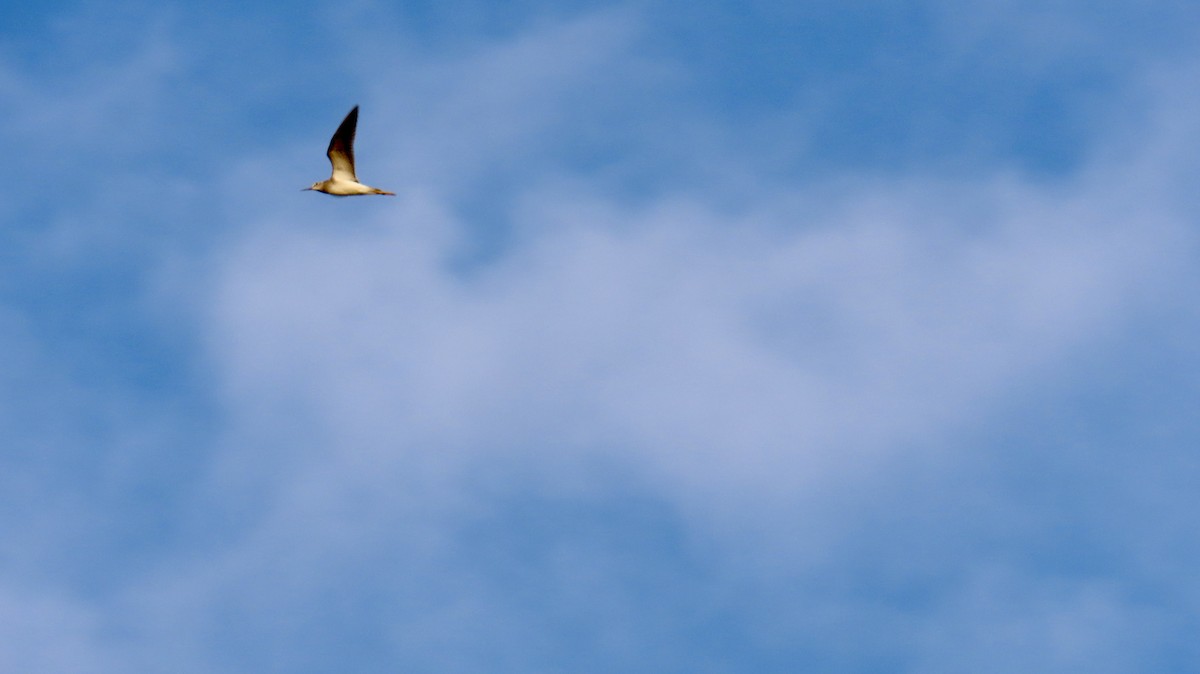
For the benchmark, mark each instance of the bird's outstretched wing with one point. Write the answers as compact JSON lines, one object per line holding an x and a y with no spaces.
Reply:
{"x":341,"y":148}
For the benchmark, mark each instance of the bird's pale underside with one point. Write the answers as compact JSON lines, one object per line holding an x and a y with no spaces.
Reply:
{"x":343,"y":182}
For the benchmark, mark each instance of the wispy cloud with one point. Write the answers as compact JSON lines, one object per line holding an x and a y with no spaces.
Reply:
{"x":723,"y":420}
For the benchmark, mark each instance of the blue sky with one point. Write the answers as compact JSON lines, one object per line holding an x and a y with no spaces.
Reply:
{"x":700,"y":337}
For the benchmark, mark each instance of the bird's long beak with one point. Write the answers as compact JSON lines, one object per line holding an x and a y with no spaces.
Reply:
{"x":306,"y":189}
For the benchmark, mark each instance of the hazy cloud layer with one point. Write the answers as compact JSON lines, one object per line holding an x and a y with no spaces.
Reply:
{"x":604,"y":388}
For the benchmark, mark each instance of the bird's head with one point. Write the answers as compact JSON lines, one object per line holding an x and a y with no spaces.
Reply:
{"x":315,"y":187}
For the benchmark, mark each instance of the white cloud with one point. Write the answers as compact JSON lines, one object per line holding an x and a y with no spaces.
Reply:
{"x":759,"y":367}
{"x":754,"y":364}
{"x":755,"y":353}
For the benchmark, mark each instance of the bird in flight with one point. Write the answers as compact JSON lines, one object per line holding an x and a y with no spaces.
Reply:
{"x":343,"y":182}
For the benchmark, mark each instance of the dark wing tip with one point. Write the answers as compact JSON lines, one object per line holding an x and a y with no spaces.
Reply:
{"x":343,"y":138}
{"x":350,"y":122}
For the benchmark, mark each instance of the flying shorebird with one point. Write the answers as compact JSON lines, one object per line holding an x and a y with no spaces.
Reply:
{"x":343,"y":182}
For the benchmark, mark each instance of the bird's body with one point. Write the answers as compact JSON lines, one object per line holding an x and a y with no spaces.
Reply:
{"x":345,"y":188}
{"x":343,"y":182}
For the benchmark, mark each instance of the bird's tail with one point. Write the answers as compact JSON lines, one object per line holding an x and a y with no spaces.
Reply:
{"x":379,"y":191}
